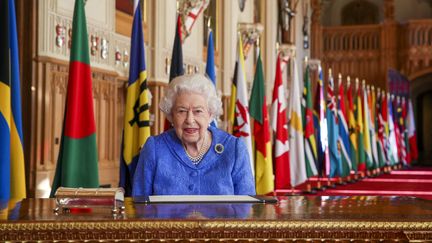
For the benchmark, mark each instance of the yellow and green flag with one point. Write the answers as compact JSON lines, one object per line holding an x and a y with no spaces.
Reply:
{"x":352,"y":127}
{"x":261,"y":133}
{"x":311,"y":154}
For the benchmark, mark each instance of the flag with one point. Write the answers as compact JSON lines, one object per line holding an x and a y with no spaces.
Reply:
{"x":309,"y":128}
{"x":296,"y":139}
{"x":193,"y":10}
{"x":137,"y":115}
{"x":239,"y":105}
{"x":280,"y":129}
{"x":232,"y":105}
{"x":392,"y":148}
{"x":361,"y":163}
{"x":366,"y":131}
{"x":176,"y":68}
{"x":372,"y":126}
{"x":261,"y":131}
{"x":405,"y":131}
{"x":12,"y":172}
{"x":77,"y":163}
{"x":344,"y":143}
{"x":412,"y":137}
{"x":333,"y":131}
{"x":380,"y":130}
{"x":352,"y":127}
{"x":400,"y":121}
{"x":320,"y":123}
{"x":210,"y":66}
{"x":384,"y":115}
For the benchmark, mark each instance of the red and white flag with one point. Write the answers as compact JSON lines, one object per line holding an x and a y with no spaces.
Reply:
{"x":280,"y":128}
{"x":412,"y":137}
{"x":191,"y":11}
{"x":239,"y":114}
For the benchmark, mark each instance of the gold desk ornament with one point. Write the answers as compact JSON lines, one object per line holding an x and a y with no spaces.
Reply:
{"x":68,"y":198}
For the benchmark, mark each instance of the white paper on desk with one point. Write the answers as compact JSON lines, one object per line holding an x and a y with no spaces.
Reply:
{"x":202,"y":198}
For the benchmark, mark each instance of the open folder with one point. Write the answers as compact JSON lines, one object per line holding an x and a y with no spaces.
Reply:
{"x":205,"y":199}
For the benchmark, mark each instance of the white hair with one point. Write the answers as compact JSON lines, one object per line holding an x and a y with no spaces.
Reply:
{"x":196,"y":83}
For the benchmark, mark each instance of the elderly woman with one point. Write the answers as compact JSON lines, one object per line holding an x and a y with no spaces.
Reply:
{"x":193,"y":158}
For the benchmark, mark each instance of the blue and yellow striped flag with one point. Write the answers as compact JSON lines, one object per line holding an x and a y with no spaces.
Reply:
{"x":137,"y":114}
{"x":12,"y":174}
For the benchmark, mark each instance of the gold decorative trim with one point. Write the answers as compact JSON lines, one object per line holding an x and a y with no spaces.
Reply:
{"x":226,"y":225}
{"x":217,"y":230}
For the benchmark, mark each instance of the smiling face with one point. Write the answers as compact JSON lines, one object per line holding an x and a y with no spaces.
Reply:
{"x":190,"y":117}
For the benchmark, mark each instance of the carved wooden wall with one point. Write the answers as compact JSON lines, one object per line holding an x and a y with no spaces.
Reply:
{"x":48,"y":110}
{"x":368,"y":51}
{"x":109,"y":92}
{"x":355,"y":52}
{"x":415,"y":54}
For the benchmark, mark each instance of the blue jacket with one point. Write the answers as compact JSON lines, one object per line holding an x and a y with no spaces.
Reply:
{"x":164,"y":169}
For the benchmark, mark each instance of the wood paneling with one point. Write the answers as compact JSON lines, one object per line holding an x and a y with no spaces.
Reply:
{"x":109,"y":93}
{"x":368,"y":51}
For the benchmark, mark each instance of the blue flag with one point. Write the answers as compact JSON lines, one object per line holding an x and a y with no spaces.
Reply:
{"x":137,"y":115}
{"x":210,"y":66}
{"x":12,"y":175}
{"x":333,"y":132}
{"x":344,"y":142}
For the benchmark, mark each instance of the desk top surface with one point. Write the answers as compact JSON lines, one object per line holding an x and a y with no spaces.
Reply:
{"x":293,"y":208}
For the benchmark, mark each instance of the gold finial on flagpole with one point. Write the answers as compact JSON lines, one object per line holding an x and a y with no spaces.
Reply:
{"x":330,"y":72}
{"x":339,"y":79}
{"x":209,"y":22}
{"x":348,"y":80}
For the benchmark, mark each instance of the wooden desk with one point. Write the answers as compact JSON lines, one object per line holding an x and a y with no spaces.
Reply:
{"x":292,"y":218}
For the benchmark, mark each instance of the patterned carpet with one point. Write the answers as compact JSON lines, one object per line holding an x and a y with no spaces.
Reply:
{"x":414,"y":181}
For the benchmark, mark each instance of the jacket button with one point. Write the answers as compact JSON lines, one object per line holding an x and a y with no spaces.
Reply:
{"x":191,"y":187}
{"x":194,"y":173}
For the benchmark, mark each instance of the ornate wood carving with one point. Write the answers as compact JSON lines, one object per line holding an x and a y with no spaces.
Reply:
{"x":367,"y":51}
{"x":173,"y":230}
{"x":415,"y":54}
{"x":355,"y":52}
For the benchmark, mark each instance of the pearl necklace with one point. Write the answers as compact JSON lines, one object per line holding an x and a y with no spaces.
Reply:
{"x":197,"y":159}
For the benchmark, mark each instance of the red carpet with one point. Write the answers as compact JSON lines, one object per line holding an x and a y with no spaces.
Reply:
{"x":416,"y":182}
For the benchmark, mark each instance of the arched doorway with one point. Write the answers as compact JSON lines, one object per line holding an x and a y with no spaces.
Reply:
{"x":421,"y":94}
